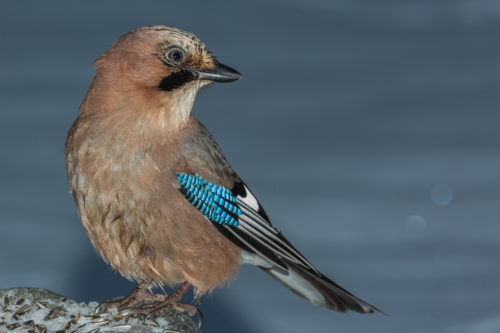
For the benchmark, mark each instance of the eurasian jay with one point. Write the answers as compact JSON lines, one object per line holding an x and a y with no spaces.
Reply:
{"x":155,"y":194}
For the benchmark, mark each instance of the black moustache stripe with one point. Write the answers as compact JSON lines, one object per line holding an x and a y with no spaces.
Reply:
{"x":176,"y":80}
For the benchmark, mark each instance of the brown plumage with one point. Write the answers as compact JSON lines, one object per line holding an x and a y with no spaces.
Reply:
{"x":119,"y":154}
{"x":133,"y":136}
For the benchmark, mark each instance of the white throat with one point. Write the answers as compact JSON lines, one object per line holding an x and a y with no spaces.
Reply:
{"x":179,"y":102}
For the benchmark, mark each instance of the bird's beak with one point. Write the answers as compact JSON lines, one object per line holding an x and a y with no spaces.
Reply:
{"x":221,"y":73}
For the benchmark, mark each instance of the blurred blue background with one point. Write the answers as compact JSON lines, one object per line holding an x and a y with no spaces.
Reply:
{"x":368,"y":130}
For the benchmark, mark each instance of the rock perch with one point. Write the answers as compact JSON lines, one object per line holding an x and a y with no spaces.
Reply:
{"x":34,"y":310}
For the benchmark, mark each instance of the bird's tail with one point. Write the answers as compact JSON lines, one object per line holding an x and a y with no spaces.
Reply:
{"x":318,"y":289}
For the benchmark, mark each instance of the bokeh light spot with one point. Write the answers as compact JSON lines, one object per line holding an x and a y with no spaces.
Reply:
{"x":416,"y":225}
{"x":441,"y":194}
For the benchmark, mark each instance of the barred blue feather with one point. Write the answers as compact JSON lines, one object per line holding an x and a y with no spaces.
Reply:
{"x":216,"y":202}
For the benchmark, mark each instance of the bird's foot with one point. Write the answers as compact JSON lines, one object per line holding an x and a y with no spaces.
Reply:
{"x":169,"y":303}
{"x":164,"y":307}
{"x":139,"y":295}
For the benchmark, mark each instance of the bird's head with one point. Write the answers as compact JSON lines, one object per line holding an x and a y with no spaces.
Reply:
{"x":155,"y":67}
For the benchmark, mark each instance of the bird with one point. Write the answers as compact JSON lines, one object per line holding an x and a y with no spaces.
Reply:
{"x":155,"y":194}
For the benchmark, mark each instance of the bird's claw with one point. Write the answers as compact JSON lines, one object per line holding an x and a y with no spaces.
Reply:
{"x":162,"y":308}
{"x":102,"y":307}
{"x":120,"y":304}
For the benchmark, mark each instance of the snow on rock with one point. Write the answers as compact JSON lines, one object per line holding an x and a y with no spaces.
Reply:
{"x":33,"y":310}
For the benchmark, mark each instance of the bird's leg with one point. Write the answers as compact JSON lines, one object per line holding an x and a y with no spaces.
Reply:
{"x":171,"y":302}
{"x":140,"y":294}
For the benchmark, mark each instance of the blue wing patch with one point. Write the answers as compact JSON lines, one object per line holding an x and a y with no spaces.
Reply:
{"x":216,"y":202}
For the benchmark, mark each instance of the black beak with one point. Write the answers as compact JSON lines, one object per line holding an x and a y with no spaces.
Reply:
{"x":221,"y":73}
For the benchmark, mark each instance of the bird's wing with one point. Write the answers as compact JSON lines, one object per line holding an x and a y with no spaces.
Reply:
{"x":209,"y":183}
{"x":238,"y":215}
{"x":214,"y":188}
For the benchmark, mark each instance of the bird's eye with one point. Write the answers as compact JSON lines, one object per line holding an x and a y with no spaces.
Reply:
{"x":175,"y":55}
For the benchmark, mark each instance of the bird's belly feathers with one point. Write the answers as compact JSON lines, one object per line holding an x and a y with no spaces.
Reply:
{"x":141,"y":224}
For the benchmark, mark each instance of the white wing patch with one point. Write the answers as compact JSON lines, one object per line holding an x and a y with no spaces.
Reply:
{"x":250,"y":199}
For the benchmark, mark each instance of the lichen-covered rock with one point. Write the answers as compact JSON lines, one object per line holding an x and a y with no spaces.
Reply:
{"x":36,"y":310}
